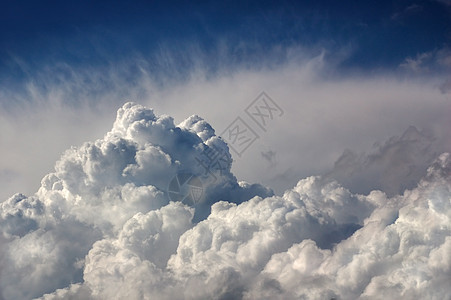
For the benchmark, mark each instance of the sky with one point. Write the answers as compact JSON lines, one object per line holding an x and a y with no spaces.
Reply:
{"x":111,"y":107}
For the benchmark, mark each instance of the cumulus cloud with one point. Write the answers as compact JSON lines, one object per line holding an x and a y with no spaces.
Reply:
{"x":103,"y":226}
{"x":397,"y":253}
{"x":99,"y":187}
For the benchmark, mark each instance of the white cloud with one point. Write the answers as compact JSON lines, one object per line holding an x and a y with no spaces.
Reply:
{"x":131,"y":264}
{"x":263,"y":248}
{"x":96,"y":230}
{"x":101,"y":224}
{"x":399,"y":252}
{"x":99,"y":189}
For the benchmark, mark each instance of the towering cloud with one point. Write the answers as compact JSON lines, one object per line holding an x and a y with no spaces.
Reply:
{"x":119,"y":218}
{"x":99,"y":187}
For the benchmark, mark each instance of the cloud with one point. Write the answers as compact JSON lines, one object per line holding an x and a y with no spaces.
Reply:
{"x":393,"y":166}
{"x":261,"y":249}
{"x":102,"y":226}
{"x":269,"y":155}
{"x":429,"y":62}
{"x":326,"y":109}
{"x":417,"y":64}
{"x":396,"y":253}
{"x":445,"y":87}
{"x":409,"y":11}
{"x":96,"y":189}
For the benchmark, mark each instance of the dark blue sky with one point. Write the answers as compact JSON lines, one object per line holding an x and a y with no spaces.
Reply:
{"x":378,"y":34}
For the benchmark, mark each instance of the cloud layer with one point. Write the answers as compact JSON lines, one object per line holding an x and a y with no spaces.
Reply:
{"x":102,"y":226}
